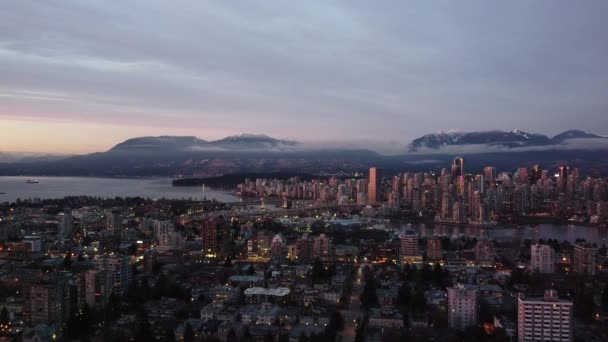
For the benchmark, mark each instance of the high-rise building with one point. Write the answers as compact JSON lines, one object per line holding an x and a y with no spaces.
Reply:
{"x":168,"y":239}
{"x":171,"y":241}
{"x":322,"y":246}
{"x":97,"y":287}
{"x":446,"y":206}
{"x":544,"y":319}
{"x":119,"y":268}
{"x":49,"y":301}
{"x":462,"y":306}
{"x":278,"y":248}
{"x":458,"y":167}
{"x":114,"y":221}
{"x":374,"y":191}
{"x":393,"y":200}
{"x":64,"y":223}
{"x":484,"y":253}
{"x":304,"y":249}
{"x":489,"y":173}
{"x":408,"y":247}
{"x":434,"y":251}
{"x":458,"y":212}
{"x":563,"y":178}
{"x":584,"y":260}
{"x":210,"y":233}
{"x":541,"y":258}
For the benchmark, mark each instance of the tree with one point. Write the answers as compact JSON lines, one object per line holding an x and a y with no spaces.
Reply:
{"x":438,"y":275}
{"x":605,"y":297}
{"x":369,"y":296}
{"x":584,"y":306}
{"x":336,"y":322}
{"x":318,"y":270}
{"x":4,"y":317}
{"x":188,"y":333}
{"x":79,"y":325}
{"x":231,"y":337}
{"x":169,"y":334}
{"x":404,"y":295}
{"x":143,"y":329}
{"x":67,"y":260}
{"x":419,"y":301}
{"x":228,"y":262}
{"x":500,"y":335}
{"x":268,"y":337}
{"x":132,"y":250}
{"x":426,"y":273}
{"x":317,"y":227}
{"x":537,"y":283}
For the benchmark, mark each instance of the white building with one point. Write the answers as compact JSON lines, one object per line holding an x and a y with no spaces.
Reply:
{"x":544,"y":319}
{"x":541,"y":258}
{"x":462,"y":306}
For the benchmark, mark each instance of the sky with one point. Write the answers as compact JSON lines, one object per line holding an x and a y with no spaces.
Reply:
{"x":80,"y":76}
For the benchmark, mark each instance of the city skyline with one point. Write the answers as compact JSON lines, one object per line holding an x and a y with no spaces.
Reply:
{"x":79,"y":78}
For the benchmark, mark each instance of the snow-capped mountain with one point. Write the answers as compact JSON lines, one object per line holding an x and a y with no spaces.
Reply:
{"x":573,"y":134}
{"x":510,"y":139}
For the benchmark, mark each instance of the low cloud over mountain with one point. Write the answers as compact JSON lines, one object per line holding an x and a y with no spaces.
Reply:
{"x":504,"y":141}
{"x":189,"y":155}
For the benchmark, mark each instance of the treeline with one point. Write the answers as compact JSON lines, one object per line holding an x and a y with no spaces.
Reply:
{"x":232,"y":180}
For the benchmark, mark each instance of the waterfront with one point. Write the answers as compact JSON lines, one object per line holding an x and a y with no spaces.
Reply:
{"x":12,"y":188}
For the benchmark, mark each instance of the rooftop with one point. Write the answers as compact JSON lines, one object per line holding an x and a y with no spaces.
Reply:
{"x":260,"y":291}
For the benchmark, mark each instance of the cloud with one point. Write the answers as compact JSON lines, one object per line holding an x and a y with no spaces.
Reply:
{"x":314,"y":70}
{"x":588,"y":144}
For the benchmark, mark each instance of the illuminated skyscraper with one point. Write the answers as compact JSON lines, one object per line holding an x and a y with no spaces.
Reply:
{"x":563,"y":178}
{"x":458,"y":167}
{"x":211,"y":239}
{"x":375,"y":186}
{"x":489,"y":173}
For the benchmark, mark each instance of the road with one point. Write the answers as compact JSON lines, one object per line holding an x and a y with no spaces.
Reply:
{"x":353,"y":312}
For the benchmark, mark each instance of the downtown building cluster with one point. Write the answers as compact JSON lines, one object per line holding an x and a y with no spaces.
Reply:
{"x":453,"y":196}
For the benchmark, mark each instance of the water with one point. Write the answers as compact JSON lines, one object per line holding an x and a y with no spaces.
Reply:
{"x":58,"y":187}
{"x":501,"y":233}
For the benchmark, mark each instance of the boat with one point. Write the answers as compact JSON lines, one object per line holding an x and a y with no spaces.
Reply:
{"x":32,"y":181}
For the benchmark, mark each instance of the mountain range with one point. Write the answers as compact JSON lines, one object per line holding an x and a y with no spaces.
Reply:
{"x":240,"y":142}
{"x":184,"y":156}
{"x":510,"y":139}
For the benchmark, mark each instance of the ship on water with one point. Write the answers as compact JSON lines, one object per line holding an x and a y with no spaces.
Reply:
{"x":32,"y":181}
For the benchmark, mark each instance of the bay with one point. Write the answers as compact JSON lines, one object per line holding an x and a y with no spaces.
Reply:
{"x":12,"y":188}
